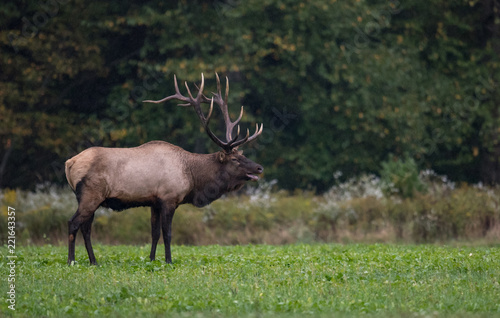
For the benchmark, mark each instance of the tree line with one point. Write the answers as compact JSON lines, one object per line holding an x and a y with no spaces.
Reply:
{"x":340,"y":86}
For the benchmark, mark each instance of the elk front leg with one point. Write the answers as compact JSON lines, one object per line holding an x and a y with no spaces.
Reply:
{"x":155,"y":230}
{"x":167,"y":214}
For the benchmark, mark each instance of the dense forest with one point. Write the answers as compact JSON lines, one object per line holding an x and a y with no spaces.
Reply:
{"x":341,"y":86}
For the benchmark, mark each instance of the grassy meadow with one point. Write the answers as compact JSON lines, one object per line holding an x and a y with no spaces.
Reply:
{"x":260,"y":281}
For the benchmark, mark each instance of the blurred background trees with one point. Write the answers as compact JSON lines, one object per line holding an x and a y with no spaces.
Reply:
{"x":339,"y":85}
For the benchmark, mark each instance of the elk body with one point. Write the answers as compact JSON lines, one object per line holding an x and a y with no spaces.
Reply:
{"x":158,"y":174}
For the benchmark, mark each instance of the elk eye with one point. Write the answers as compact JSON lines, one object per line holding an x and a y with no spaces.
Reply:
{"x":234,"y":159}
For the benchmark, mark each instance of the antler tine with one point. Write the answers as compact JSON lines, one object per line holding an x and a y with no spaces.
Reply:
{"x":227,"y":90}
{"x":231,"y":125}
{"x":232,"y":141}
{"x":200,"y":98}
{"x":210,"y":110}
{"x":247,"y":138}
{"x":214,"y":138}
{"x":242,"y":141}
{"x":257,"y":131}
{"x":218,"y":83}
{"x":239,"y":117}
{"x":204,"y":98}
{"x":223,"y":107}
{"x":177,"y":95}
{"x":202,"y":86}
{"x":195,"y":102}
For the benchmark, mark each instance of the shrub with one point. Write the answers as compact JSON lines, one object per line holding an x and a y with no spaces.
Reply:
{"x":401,"y":177}
{"x":43,"y":214}
{"x":355,"y":204}
{"x":467,"y":213}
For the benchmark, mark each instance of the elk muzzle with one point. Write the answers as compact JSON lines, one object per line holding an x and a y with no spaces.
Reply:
{"x":253,"y":175}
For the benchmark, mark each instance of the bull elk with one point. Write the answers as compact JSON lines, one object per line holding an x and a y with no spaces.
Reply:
{"x":159,"y":174}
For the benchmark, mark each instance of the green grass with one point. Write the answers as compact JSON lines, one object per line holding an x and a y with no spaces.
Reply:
{"x":258,"y":281}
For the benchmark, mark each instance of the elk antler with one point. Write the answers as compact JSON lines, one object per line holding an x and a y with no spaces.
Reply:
{"x":231,"y":142}
{"x":230,"y":125}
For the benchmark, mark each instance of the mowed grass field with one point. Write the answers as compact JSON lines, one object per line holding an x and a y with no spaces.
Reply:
{"x":314,"y":280}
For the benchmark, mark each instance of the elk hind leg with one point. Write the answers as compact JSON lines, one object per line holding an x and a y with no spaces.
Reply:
{"x":73,"y":226}
{"x":81,"y":219}
{"x":86,"y":228}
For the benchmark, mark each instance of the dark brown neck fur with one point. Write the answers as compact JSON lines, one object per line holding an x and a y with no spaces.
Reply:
{"x":210,"y":179}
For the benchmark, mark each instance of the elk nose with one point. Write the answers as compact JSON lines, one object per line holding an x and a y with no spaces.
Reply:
{"x":260,"y":169}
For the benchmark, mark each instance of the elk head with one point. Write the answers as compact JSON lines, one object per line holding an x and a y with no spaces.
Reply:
{"x":237,"y":168}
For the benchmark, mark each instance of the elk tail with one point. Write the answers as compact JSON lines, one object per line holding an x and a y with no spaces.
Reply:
{"x":69,"y":163}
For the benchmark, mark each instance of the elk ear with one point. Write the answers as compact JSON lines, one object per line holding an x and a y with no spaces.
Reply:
{"x":221,"y":156}
{"x":236,"y":151}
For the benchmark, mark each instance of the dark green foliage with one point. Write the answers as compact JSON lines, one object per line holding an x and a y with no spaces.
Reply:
{"x":338,"y":84}
{"x":401,"y":177}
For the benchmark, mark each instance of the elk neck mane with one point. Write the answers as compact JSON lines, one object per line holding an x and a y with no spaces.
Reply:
{"x":210,"y":179}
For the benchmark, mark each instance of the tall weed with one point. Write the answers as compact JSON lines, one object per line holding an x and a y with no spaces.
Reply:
{"x":357,"y":204}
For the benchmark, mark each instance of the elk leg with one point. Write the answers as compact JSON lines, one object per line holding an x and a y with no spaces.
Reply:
{"x":73,"y":227}
{"x":86,"y":228}
{"x":167,"y":214}
{"x":155,"y":230}
{"x":82,"y":218}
